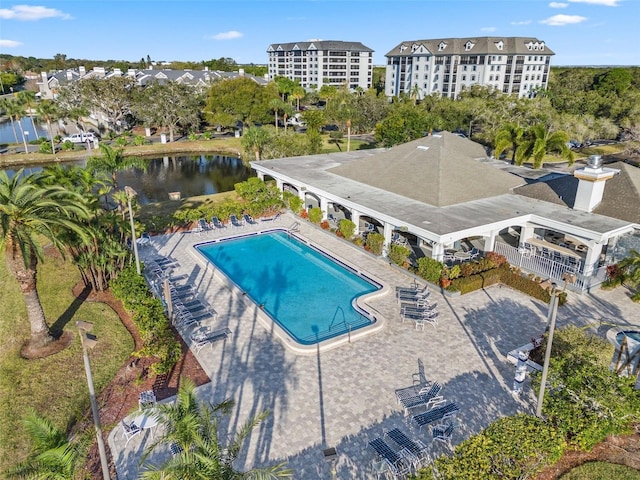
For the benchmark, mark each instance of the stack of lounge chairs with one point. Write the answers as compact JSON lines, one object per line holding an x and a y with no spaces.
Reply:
{"x":426,"y":397}
{"x":436,"y":415}
{"x":416,"y":307}
{"x":399,"y":465}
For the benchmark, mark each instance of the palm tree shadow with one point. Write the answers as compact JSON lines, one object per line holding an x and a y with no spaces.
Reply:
{"x":67,"y":315}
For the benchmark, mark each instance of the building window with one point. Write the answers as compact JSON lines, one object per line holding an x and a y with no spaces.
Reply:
{"x":464,"y":78}
{"x":473,"y":78}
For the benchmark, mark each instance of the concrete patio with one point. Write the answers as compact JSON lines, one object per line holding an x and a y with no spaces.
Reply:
{"x":344,"y":397}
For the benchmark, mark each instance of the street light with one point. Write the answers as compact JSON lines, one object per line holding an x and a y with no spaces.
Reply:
{"x":89,"y":341}
{"x":331,"y":456}
{"x":553,"y":310}
{"x":130,"y":194}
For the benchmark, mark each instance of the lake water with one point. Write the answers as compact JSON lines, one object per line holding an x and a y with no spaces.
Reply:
{"x":6,"y":131}
{"x":188,"y":174}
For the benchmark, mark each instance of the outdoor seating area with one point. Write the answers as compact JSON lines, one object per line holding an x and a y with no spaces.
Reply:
{"x":452,"y":256}
{"x":556,"y":253}
{"x":416,"y":307}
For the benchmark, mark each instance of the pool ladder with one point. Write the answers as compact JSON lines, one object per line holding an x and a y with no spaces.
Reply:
{"x":295,"y":227}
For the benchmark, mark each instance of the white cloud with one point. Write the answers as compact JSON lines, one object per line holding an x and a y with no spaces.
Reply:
{"x":558,"y":5}
{"x":606,"y":3}
{"x":9,"y":43}
{"x":31,"y":13}
{"x":488,"y":29}
{"x":230,"y":35}
{"x":561,"y":20}
{"x":523,"y":22}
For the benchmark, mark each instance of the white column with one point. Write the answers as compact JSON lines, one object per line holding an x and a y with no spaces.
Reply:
{"x":437,"y":251}
{"x":260,"y":175}
{"x":388,"y":233}
{"x":490,"y":241}
{"x":280,"y":184}
{"x":592,"y":258}
{"x":302,"y":194}
{"x":526,"y":232}
{"x":355,"y":218}
{"x":324,"y":206}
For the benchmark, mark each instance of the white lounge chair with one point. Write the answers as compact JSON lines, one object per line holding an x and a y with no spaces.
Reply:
{"x":130,"y":430}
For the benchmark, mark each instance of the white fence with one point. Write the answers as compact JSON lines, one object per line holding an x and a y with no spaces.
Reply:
{"x":547,"y":268}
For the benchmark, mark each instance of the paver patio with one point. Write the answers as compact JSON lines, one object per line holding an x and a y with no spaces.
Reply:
{"x":344,"y":397}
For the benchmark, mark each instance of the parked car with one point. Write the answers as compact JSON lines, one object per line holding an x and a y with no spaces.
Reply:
{"x":80,"y":138}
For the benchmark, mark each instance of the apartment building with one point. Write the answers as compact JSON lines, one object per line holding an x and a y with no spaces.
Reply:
{"x":512,"y":65}
{"x":315,"y":63}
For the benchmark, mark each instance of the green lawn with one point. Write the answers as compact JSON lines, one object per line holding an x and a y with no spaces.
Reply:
{"x":55,"y":386}
{"x":602,"y":471}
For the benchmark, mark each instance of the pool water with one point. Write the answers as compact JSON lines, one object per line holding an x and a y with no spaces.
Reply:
{"x":631,"y":334}
{"x":307,"y":293}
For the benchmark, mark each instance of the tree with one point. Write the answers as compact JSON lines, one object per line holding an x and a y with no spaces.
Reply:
{"x":406,"y":122}
{"x":509,"y":136}
{"x":52,"y":456}
{"x":193,"y":425}
{"x":285,"y":86}
{"x":27,"y":98}
{"x":538,"y":141}
{"x":255,"y":139}
{"x":29,"y":212}
{"x":298,"y":94}
{"x":631,"y":268}
{"x":238,"y":100}
{"x":47,"y":109}
{"x":169,"y":105}
{"x":112,"y":96}
{"x":112,"y":161}
{"x":11,"y":108}
{"x":278,"y":105}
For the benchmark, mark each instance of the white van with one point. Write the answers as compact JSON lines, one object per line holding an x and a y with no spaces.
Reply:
{"x":80,"y":138}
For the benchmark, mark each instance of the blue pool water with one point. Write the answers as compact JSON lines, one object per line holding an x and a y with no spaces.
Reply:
{"x":307,"y":293}
{"x":632,"y":334}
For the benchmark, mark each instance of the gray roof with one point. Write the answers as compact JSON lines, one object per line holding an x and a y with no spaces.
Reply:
{"x":481,"y":46}
{"x":621,"y":197}
{"x":335,"y":45}
{"x":440,"y":170}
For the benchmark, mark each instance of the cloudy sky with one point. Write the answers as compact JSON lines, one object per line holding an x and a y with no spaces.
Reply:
{"x":580,"y":32}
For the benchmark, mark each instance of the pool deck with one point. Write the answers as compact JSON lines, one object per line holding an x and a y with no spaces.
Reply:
{"x":344,"y":397}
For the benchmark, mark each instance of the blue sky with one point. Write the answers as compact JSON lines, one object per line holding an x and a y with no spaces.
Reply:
{"x":580,"y":32}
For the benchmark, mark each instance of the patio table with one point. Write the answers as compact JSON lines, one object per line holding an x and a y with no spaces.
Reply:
{"x":462,"y":255}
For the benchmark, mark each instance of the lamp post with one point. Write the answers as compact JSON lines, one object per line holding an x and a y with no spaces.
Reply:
{"x":130,"y":194}
{"x":331,"y":456}
{"x":553,"y":310}
{"x":89,"y":341}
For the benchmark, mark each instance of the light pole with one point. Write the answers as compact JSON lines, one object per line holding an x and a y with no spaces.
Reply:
{"x":89,"y":341}
{"x":130,"y":194}
{"x":331,"y":456}
{"x":553,"y":310}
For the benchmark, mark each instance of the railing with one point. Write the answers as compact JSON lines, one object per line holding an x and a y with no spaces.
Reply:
{"x":549,"y":268}
{"x":295,"y":227}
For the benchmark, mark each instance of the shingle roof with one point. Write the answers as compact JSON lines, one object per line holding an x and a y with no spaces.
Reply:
{"x":481,"y":46}
{"x":621,"y":197}
{"x":439,"y":170}
{"x":322,"y":45}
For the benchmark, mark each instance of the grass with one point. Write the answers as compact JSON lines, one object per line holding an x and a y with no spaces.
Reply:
{"x":602,"y":471}
{"x":55,"y":386}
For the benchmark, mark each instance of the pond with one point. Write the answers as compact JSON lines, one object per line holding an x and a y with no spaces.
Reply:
{"x":24,"y":125}
{"x":188,"y":174}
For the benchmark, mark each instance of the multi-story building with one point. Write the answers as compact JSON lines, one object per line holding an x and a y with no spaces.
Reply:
{"x":512,"y":65}
{"x":315,"y":63}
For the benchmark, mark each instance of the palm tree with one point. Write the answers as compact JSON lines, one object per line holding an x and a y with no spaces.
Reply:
{"x":29,"y":212}
{"x":298,"y":94}
{"x":9,"y":106}
{"x":509,"y":136}
{"x":28,"y":98}
{"x":49,"y":111}
{"x":538,"y":141}
{"x":15,"y":111}
{"x":255,"y":138}
{"x":112,"y":161}
{"x":193,"y":427}
{"x":631,"y":267}
{"x":53,"y":456}
{"x":276,"y":105}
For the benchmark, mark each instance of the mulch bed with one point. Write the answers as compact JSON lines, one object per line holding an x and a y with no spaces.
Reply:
{"x":120,"y":396}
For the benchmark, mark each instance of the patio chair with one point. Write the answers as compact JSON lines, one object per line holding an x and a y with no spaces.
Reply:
{"x":204,"y":337}
{"x":146,"y":399}
{"x":413,"y":390}
{"x":144,"y":240}
{"x":215,"y":221}
{"x":475,"y":253}
{"x":399,"y":466}
{"x":409,"y":297}
{"x":248,"y":219}
{"x":412,"y":290}
{"x":204,"y":225}
{"x":420,"y":377}
{"x":175,"y":449}
{"x":271,"y":219}
{"x":430,"y":315}
{"x":235,"y":221}
{"x":416,"y":447}
{"x":407,"y":307}
{"x":422,"y":399}
{"x":431,"y":320}
{"x":443,"y":431}
{"x":130,"y":430}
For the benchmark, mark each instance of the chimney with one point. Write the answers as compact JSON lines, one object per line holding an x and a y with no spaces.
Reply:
{"x":69,"y":75}
{"x":131,"y":72}
{"x":206,"y":69}
{"x":117,"y":71}
{"x":591,"y":180}
{"x":241,"y":72}
{"x":82,"y":71}
{"x":44,"y":76}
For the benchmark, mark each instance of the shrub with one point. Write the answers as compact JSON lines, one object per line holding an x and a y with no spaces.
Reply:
{"x":468,"y":284}
{"x":324,"y":225}
{"x":375,"y":242}
{"x":346,"y":228}
{"x":292,"y":201}
{"x":398,"y":254}
{"x":454,"y":272}
{"x":430,"y":269}
{"x":304,"y":214}
{"x":510,"y":448}
{"x":148,"y":315}
{"x":496,"y":258}
{"x":45,"y":148}
{"x":315,"y":215}
{"x":139,"y":140}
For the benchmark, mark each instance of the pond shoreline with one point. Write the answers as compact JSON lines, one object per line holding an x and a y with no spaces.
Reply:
{"x":226,"y":146}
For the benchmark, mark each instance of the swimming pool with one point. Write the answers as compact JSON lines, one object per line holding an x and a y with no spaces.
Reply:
{"x":307,"y":293}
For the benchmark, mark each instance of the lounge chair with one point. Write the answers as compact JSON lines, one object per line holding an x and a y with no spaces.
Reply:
{"x":416,"y":447}
{"x":248,"y":219}
{"x":416,"y":290}
{"x":216,"y":223}
{"x":399,"y":466}
{"x":204,"y":225}
{"x":203,"y":338}
{"x":412,"y":297}
{"x":420,"y":377}
{"x":435,"y":414}
{"x":407,"y":307}
{"x":235,"y":221}
{"x":443,"y":431}
{"x":427,"y":397}
{"x":272,"y":218}
{"x":130,"y":430}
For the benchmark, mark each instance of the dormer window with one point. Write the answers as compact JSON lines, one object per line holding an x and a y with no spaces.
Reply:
{"x":500,"y":45}
{"x":403,"y":47}
{"x":442,"y":46}
{"x":468,"y":46}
